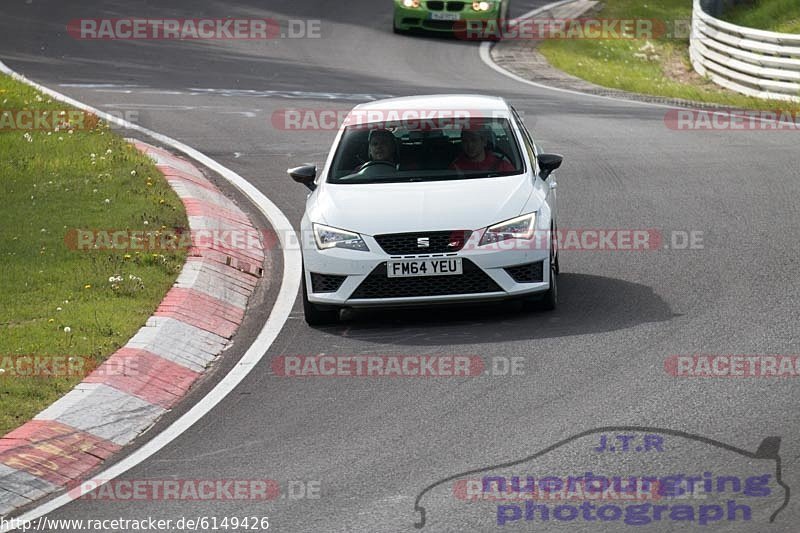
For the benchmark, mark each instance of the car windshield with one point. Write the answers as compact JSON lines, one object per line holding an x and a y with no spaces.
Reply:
{"x":387,"y":152}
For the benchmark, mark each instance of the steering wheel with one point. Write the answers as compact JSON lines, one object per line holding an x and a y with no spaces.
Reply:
{"x":376,"y":162}
{"x":501,"y":154}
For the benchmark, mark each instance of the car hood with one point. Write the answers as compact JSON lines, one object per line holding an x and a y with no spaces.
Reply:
{"x":422,"y":206}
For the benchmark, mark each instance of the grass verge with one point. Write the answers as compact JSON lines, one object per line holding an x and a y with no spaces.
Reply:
{"x":58,"y":302}
{"x":773,"y":15}
{"x":658,"y":66}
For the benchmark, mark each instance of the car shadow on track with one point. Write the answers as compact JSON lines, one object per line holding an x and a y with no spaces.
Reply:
{"x":587,"y":304}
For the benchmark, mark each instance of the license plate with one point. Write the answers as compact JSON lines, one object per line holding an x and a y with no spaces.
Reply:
{"x":445,"y":16}
{"x":424,"y":267}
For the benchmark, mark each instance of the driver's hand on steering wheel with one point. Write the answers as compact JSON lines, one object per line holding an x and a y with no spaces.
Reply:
{"x":374,"y":162}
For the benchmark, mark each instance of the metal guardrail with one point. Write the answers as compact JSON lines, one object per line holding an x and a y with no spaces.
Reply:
{"x":758,"y":63}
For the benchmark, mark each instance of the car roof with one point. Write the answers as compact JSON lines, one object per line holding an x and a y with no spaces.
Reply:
{"x":474,"y":103}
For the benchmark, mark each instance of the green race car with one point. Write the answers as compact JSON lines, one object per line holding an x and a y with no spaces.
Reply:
{"x":465,"y":19}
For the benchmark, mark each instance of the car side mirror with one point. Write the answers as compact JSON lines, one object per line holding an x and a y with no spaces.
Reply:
{"x":305,"y":174}
{"x":548,"y":163}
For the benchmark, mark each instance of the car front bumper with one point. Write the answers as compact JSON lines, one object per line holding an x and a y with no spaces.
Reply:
{"x":485,"y":277}
{"x":408,"y":19}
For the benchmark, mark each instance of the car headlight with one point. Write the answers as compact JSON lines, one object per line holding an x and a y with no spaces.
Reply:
{"x":522,"y":227}
{"x":328,"y":237}
{"x":482,"y":6}
{"x":410,"y":3}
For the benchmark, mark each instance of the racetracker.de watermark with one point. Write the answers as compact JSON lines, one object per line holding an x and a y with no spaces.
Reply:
{"x":586,"y":28}
{"x":572,"y":239}
{"x":396,"y":366}
{"x":47,"y":366}
{"x":177,"y":489}
{"x":557,"y":488}
{"x":166,"y":240}
{"x":65,"y":366}
{"x":54,"y":120}
{"x":733,"y":366}
{"x":193,"y":29}
{"x":418,"y":119}
{"x":732,"y":120}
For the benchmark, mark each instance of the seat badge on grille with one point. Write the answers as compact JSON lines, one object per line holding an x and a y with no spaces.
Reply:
{"x":423,"y":242}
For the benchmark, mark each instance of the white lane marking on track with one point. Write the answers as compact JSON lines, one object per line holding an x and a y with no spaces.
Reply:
{"x":195,"y":91}
{"x":97,"y":85}
{"x":251,"y":113}
{"x":290,"y":284}
{"x":171,"y":93}
{"x":159,"y":107}
{"x":198,"y":91}
{"x":248,"y":114}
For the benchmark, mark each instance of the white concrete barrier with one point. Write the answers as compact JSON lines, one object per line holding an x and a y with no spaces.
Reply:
{"x":758,"y":63}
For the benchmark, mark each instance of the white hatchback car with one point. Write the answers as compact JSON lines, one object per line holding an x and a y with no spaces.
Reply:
{"x":426,"y":200}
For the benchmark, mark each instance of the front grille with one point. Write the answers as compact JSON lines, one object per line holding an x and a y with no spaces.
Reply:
{"x":411,"y":21}
{"x":379,"y":285}
{"x":326,"y":282}
{"x":439,"y":242}
{"x":455,"y":6}
{"x":436,"y":5}
{"x":530,"y":273}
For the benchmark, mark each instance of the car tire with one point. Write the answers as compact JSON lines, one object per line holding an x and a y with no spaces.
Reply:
{"x":549,"y":300}
{"x":314,"y":315}
{"x":557,"y":255}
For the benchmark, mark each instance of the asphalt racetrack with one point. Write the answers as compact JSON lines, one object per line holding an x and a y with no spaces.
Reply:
{"x":357,"y":454}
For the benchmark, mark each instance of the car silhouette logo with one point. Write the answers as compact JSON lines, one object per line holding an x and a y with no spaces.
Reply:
{"x":423,"y":242}
{"x":510,"y":490}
